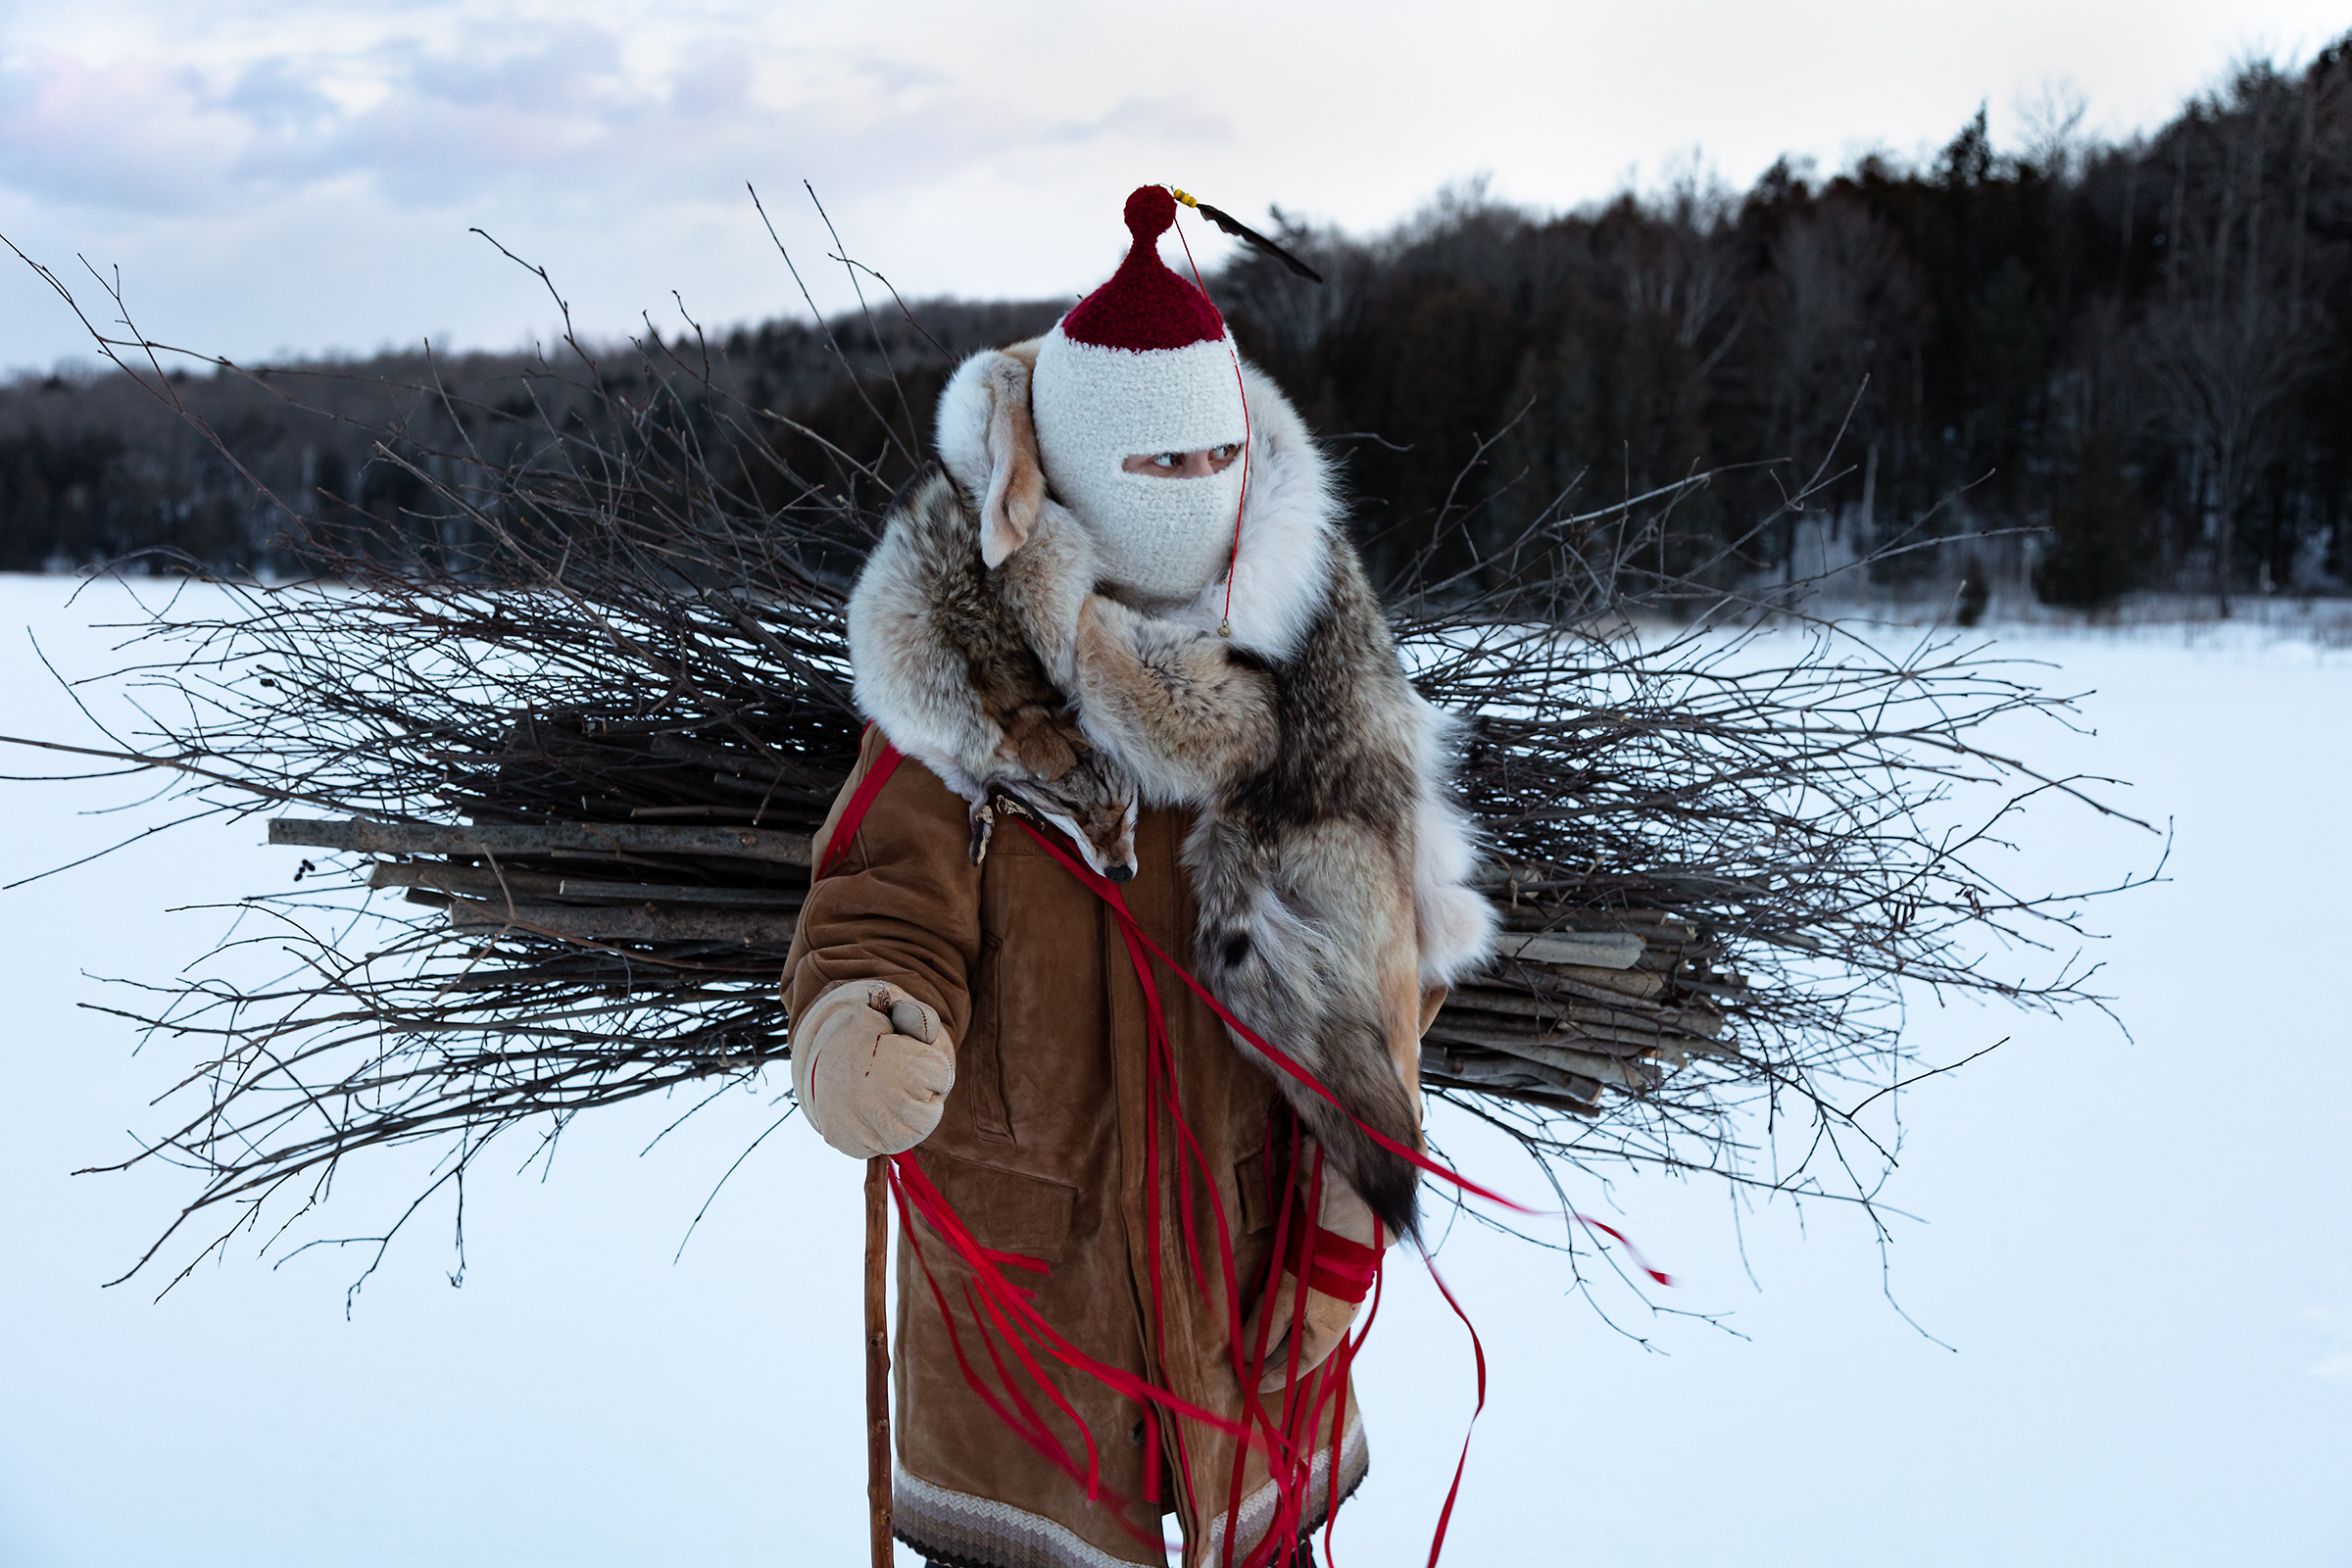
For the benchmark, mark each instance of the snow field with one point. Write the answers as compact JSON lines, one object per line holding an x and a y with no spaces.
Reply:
{"x":2138,"y":1251}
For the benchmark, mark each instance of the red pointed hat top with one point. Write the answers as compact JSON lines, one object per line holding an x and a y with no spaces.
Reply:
{"x":1145,"y":306}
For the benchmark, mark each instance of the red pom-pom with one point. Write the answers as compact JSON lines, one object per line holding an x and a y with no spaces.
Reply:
{"x":1145,"y":306}
{"x":1149,"y":211}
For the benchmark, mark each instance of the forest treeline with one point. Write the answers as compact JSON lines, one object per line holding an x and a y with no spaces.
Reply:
{"x":2126,"y":361}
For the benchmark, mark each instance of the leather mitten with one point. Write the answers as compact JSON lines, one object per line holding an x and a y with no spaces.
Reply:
{"x":872,"y":1067}
{"x":1327,"y":1317}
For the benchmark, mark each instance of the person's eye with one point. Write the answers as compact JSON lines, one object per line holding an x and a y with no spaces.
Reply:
{"x":1167,"y":460}
{"x":1228,"y":452}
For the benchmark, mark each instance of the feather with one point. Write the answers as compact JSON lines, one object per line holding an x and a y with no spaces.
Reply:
{"x":1248,"y":237}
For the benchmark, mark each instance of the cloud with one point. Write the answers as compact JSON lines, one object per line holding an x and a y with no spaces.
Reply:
{"x":571,"y":73}
{"x":275,"y":97}
{"x":563,"y":115}
{"x":288,"y":171}
{"x":1164,"y":120}
{"x":126,"y":134}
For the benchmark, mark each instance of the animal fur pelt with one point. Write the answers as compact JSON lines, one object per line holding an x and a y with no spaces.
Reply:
{"x":1328,"y":863}
{"x":961,"y":623}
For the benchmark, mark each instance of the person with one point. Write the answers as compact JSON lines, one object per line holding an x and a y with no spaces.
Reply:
{"x":994,"y":1020}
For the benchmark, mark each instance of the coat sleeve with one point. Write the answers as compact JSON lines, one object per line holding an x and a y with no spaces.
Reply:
{"x":903,"y":905}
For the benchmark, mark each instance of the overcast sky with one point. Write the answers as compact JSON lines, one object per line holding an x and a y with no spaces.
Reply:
{"x":291,"y":177}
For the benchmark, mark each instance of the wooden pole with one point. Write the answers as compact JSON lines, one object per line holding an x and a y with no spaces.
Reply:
{"x":878,"y":1357}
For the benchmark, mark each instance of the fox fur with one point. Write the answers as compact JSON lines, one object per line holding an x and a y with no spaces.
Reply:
{"x":1328,"y":863}
{"x":959,"y":623}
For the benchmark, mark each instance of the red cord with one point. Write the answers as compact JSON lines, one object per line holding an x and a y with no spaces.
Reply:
{"x":1341,"y":1268}
{"x":1232,"y":558}
{"x":853,"y":816}
{"x":1436,"y":1543}
{"x":1000,"y":1306}
{"x":1274,"y":1053}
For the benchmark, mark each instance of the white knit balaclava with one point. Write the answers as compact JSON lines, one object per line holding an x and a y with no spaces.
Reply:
{"x":1142,"y":366}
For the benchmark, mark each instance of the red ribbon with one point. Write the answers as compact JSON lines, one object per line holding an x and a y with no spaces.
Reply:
{"x":1283,"y":1060}
{"x":853,"y":816}
{"x":1327,"y":1262}
{"x":1275,"y":1054}
{"x":1445,"y":1515}
{"x":1339,"y":1267}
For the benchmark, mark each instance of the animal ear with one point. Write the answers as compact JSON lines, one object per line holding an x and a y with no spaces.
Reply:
{"x":1016,"y":481}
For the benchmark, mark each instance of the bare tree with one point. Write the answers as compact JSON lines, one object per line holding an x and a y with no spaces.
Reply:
{"x":2232,"y":340}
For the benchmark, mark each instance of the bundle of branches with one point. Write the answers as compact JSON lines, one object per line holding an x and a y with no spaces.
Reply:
{"x":563,"y":726}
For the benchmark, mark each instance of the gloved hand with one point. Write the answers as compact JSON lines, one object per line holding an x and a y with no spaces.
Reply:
{"x":872,"y":1067}
{"x":1327,"y":1317}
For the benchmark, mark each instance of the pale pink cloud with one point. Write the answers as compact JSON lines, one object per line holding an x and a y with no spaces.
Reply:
{"x":562,"y":118}
{"x":121,"y":135}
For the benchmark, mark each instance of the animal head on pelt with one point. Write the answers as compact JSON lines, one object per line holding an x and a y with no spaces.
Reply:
{"x":1071,"y":784}
{"x":961,"y":626}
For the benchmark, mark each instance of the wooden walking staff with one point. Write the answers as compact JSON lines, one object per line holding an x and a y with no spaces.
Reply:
{"x":877,"y":1356}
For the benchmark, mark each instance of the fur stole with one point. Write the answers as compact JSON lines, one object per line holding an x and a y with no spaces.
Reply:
{"x":1329,"y":863}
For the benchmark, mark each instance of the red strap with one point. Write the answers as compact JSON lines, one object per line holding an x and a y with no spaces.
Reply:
{"x":1334,"y":1264}
{"x":1003,"y":1312}
{"x":1232,"y":557}
{"x":1445,"y":1515}
{"x":853,"y":816}
{"x":1621,"y":1240}
{"x":1110,"y":895}
{"x":1273,"y":1054}
{"x":1282,"y":1059}
{"x":1339,"y":1267}
{"x":1007,"y":1306}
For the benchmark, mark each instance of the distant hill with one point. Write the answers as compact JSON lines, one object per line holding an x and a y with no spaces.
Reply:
{"x":2137,"y":352}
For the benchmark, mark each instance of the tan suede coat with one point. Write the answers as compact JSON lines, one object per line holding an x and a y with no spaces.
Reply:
{"x":1041,"y":1150}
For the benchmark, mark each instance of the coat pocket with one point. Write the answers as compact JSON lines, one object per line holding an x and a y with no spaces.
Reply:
{"x":1249,"y":1177}
{"x":980,"y":1064}
{"x":1010,"y":1211}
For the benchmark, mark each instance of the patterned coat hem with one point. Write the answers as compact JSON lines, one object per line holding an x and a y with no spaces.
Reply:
{"x":961,"y":1531}
{"x":1355,"y":1461}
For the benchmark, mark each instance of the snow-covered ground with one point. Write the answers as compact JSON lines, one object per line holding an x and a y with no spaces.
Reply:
{"x":2139,"y":1254}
